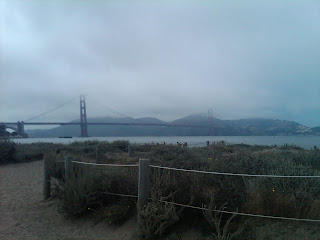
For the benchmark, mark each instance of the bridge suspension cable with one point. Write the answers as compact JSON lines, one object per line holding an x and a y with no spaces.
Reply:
{"x":51,"y":110}
{"x":111,"y":110}
{"x":119,"y":113}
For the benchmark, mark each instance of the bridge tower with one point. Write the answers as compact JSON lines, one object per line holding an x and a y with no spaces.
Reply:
{"x":83,"y":117}
{"x":210,"y":118}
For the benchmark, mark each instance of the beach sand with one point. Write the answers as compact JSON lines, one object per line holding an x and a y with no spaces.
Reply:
{"x":23,"y":214}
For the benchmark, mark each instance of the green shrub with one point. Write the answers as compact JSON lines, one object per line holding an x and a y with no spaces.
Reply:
{"x":119,"y":212}
{"x":86,"y":189}
{"x":268,"y":196}
{"x":173,"y":236}
{"x":120,"y":144}
{"x":156,"y":217}
{"x":79,"y":193}
{"x":174,"y":156}
{"x":7,"y":151}
{"x":224,"y":228}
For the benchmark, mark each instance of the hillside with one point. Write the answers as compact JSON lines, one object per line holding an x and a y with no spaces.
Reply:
{"x":242,"y":127}
{"x":270,"y":127}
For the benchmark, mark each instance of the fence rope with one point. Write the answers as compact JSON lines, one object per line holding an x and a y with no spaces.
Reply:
{"x":219,"y":211}
{"x":107,"y":164}
{"x":121,"y":195}
{"x":241,"y":214}
{"x":231,"y":174}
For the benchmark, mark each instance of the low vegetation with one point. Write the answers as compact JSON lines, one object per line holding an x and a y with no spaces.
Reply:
{"x":7,"y":151}
{"x":86,"y":192}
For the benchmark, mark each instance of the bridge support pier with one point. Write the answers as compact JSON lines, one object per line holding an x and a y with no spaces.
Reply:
{"x":20,"y":127}
{"x":83,"y":117}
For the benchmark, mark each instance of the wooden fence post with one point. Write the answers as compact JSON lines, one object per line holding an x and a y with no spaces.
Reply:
{"x":143,"y":186}
{"x":67,"y":166}
{"x":129,"y":150}
{"x":46,"y":179}
{"x":97,"y":154}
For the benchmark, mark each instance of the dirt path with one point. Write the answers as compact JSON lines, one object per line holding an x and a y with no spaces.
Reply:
{"x":23,"y":214}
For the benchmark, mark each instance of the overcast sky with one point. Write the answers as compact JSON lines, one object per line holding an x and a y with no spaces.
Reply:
{"x":167,"y":60}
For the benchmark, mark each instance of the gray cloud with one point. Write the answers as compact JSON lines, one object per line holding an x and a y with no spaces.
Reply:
{"x":164,"y":60}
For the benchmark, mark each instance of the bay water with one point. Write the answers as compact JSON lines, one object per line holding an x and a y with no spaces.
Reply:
{"x":306,"y":142}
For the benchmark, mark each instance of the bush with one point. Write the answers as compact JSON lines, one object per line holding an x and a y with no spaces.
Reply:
{"x":85,"y":191}
{"x":7,"y":151}
{"x":121,"y":145}
{"x":79,"y":193}
{"x":155,"y":218}
{"x":268,"y":196}
{"x":224,"y":228}
{"x":119,"y":212}
{"x":174,"y":156}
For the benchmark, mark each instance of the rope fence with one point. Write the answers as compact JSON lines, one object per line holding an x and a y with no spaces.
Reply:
{"x":143,"y":185}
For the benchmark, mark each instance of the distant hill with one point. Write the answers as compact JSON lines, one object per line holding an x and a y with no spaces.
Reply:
{"x":270,"y":127}
{"x":316,"y":130}
{"x":150,"y":120}
{"x":242,"y":127}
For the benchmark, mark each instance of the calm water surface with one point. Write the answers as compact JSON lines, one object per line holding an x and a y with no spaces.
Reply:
{"x":302,"y":141}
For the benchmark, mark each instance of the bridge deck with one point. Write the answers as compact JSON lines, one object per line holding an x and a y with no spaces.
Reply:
{"x":105,"y":123}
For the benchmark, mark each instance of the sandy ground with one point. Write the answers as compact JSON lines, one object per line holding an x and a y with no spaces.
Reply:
{"x":23,"y":214}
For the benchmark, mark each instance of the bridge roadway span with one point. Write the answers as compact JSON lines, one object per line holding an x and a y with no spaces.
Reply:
{"x":105,"y":123}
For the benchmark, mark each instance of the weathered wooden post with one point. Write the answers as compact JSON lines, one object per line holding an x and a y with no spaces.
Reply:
{"x":208,"y":143}
{"x":143,"y":186}
{"x":129,"y":150}
{"x":46,"y":179}
{"x":97,"y":154}
{"x":67,"y":166}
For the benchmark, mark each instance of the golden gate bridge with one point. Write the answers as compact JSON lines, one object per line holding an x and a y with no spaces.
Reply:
{"x":18,"y":126}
